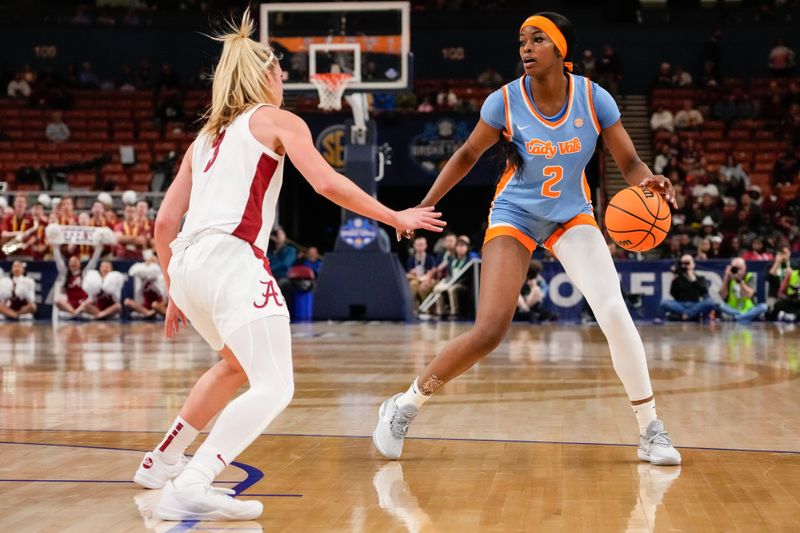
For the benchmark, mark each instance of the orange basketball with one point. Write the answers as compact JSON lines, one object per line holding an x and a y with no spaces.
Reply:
{"x":638,"y":219}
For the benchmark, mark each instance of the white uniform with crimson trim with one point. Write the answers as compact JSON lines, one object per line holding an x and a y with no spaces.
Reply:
{"x":220,"y":276}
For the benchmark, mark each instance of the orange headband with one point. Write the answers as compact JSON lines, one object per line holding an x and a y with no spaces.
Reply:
{"x":552,"y":31}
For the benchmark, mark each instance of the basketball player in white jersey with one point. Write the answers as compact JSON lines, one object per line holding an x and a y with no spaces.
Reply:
{"x":218,"y":276}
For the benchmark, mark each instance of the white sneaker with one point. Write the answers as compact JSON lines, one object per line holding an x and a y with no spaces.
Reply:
{"x":204,"y":502}
{"x":393,"y":422}
{"x":656,"y":447}
{"x":153,"y":472}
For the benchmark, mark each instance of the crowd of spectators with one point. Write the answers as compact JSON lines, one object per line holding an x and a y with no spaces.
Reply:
{"x":726,"y":208}
{"x":733,"y":154}
{"x":33,"y":232}
{"x":440,"y":281}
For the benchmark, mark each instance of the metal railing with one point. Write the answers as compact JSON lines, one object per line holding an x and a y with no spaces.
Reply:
{"x":474,"y":265}
{"x":84,"y":199}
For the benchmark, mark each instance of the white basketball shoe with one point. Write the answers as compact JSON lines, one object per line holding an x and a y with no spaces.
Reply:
{"x":153,"y":472}
{"x":204,"y":502}
{"x":656,"y":447}
{"x":393,"y":422}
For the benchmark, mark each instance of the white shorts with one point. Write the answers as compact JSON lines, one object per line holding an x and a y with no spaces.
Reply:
{"x":221,"y":284}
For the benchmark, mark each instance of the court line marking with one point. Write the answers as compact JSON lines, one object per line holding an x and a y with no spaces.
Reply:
{"x":266,"y":495}
{"x":523,"y":441}
{"x":455,"y":439}
{"x":254,"y":475}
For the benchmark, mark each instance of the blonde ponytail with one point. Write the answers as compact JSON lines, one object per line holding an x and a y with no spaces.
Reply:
{"x":242,"y":77}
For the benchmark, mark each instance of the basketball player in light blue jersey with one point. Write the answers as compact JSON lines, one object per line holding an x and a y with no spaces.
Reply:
{"x":548,"y":121}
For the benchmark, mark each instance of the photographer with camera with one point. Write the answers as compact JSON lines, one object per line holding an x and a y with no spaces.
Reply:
{"x":738,"y":291}
{"x":530,"y":302}
{"x":787,"y":283}
{"x":689,"y":292}
{"x":778,"y":272}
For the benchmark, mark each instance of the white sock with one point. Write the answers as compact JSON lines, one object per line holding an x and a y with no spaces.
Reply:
{"x":180,"y":435}
{"x":645,"y":413}
{"x":204,"y":467}
{"x":412,"y":396}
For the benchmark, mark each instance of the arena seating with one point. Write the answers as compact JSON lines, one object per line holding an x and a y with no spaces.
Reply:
{"x":100,"y":122}
{"x":756,"y":143}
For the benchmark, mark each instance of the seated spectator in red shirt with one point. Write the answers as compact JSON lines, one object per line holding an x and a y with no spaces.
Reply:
{"x":757,"y":252}
{"x":66,"y":212}
{"x":112,"y":219}
{"x":38,"y":246}
{"x":70,"y":296}
{"x":98,"y":215}
{"x":17,"y":294}
{"x":15,"y":222}
{"x":149,"y":289}
{"x":145,"y":223}
{"x":131,"y":239}
{"x":104,"y":288}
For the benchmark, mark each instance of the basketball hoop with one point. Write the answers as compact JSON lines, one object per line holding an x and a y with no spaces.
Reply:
{"x":330,"y":86}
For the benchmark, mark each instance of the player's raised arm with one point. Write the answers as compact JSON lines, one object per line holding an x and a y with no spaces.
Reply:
{"x":293,"y":134}
{"x":481,"y":139}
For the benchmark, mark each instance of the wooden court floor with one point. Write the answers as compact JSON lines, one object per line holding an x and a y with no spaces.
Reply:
{"x":538,"y":437}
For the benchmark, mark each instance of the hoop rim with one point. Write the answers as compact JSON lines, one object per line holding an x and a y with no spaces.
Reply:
{"x":330,"y":88}
{"x":331,"y":79}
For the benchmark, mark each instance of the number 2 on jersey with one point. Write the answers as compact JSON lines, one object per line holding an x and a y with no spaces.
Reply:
{"x":554,"y":174}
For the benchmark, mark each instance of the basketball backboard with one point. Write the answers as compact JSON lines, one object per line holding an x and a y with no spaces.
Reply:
{"x":369,"y":40}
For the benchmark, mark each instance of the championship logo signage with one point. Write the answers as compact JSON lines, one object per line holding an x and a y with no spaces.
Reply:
{"x":437,"y":143}
{"x":358,"y":232}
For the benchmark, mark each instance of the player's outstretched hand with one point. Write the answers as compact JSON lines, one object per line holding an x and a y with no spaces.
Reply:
{"x":172,"y":322}
{"x":662,"y":186}
{"x":418,"y":218}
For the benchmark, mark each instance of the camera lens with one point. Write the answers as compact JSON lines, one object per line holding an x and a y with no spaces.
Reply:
{"x":734,"y":270}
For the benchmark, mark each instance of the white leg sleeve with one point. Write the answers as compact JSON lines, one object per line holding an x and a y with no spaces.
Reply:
{"x":584,"y":254}
{"x":264,"y":350}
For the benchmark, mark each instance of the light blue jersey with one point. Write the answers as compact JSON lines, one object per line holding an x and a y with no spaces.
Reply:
{"x":551,"y":188}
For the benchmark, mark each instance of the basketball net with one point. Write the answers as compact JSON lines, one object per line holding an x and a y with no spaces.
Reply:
{"x":330,"y":86}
